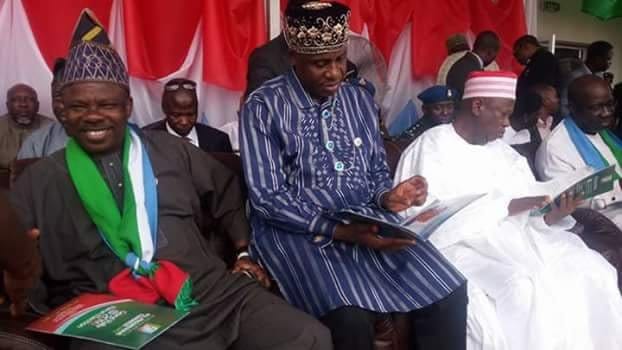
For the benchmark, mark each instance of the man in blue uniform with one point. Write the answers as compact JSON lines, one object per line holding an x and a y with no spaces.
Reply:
{"x":438,"y":108}
{"x":311,"y":147}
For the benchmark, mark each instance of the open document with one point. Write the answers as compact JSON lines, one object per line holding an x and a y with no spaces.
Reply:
{"x":419,"y":226}
{"x":586,"y":183}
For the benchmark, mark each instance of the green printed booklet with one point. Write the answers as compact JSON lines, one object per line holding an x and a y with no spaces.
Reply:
{"x":586,"y":182}
{"x":107,"y":319}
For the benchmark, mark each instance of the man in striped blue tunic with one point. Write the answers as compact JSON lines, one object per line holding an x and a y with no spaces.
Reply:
{"x":311,"y":147}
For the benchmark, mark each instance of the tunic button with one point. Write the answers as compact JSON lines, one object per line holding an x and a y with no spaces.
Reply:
{"x":358,"y":142}
{"x":317,"y":238}
{"x":120,"y":184}
{"x":339,"y":166}
{"x":325,"y":114}
{"x":330,"y":146}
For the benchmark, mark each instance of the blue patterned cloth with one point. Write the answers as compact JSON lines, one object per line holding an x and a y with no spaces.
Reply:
{"x":304,"y":161}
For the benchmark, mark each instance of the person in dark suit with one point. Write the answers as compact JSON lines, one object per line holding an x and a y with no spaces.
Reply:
{"x":180,"y":105}
{"x":485,"y":50}
{"x":267,"y":62}
{"x":541,"y":66}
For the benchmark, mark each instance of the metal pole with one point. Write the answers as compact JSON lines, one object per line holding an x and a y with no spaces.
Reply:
{"x":273,"y":8}
{"x":553,"y":43}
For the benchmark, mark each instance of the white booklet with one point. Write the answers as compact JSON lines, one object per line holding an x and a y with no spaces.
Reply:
{"x":419,"y":226}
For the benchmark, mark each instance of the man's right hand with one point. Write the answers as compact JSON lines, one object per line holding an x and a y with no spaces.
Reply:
{"x":520,"y":205}
{"x":367,"y":235}
{"x":18,"y":283}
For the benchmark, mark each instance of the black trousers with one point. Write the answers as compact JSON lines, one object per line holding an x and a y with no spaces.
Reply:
{"x":267,"y":323}
{"x":440,"y":326}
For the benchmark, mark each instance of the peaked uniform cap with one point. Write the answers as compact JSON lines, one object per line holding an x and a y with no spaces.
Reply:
{"x":436,"y":94}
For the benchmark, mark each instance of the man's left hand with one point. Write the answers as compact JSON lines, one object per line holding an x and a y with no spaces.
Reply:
{"x":246,"y":265}
{"x":413,"y":191}
{"x":567,"y":205}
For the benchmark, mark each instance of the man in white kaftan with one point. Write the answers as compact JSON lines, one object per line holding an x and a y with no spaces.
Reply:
{"x":531,"y":285}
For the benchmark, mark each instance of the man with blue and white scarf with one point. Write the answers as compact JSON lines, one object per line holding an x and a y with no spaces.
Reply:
{"x":584,"y":139}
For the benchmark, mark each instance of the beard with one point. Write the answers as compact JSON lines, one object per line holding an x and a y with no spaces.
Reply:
{"x":24,"y":120}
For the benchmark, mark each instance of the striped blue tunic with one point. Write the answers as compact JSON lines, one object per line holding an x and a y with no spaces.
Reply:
{"x":304,"y":160}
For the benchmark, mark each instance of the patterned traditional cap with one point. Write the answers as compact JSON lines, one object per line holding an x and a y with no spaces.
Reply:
{"x":436,"y":94}
{"x":91,"y":58}
{"x":316,"y":27}
{"x":490,"y":84}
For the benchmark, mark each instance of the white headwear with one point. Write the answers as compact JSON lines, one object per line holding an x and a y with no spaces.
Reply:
{"x":490,"y":84}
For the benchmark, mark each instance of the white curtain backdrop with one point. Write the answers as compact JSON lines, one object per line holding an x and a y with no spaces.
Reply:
{"x":402,"y":87}
{"x":22,"y":62}
{"x":531,"y":16}
{"x":20,"y":58}
{"x":217,"y":106}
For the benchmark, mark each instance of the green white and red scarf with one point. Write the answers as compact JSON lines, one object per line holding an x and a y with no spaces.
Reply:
{"x":131,"y":231}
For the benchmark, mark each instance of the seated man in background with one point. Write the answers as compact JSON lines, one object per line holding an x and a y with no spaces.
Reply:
{"x":21,"y":120}
{"x":311,"y":147}
{"x":438,"y":103}
{"x":51,"y":137}
{"x":117,"y":212}
{"x":532,"y":121}
{"x":528,"y":119}
{"x":180,"y":105}
{"x":532,"y":284}
{"x":583,"y":139}
{"x":549,"y":116}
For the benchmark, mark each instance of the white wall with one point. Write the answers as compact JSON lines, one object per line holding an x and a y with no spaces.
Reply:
{"x":570,"y":24}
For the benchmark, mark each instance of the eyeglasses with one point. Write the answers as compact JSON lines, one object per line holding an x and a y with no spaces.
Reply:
{"x":609,"y":106}
{"x":181,"y":85}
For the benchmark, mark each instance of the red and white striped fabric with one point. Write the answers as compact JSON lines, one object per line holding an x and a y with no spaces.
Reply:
{"x":158,"y":40}
{"x":490,"y":84}
{"x":209,"y":41}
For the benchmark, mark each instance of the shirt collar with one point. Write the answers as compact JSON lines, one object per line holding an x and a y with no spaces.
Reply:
{"x":301,"y":96}
{"x":538,"y":52}
{"x":192,"y":135}
{"x":546,"y":123}
{"x":479,"y":59}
